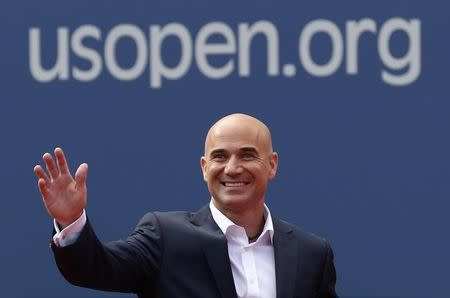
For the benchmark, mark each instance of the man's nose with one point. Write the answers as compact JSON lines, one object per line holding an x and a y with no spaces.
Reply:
{"x":233,"y":167}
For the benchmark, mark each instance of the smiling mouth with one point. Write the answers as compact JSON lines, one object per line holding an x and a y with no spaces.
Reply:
{"x":234,"y":184}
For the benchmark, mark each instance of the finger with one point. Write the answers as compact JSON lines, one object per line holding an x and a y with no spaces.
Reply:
{"x":51,"y":167}
{"x":42,"y":184}
{"x":81,"y":175}
{"x":61,"y":161}
{"x":39,"y":171}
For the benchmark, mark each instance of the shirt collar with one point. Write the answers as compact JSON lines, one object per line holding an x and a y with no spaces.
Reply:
{"x":225,"y":223}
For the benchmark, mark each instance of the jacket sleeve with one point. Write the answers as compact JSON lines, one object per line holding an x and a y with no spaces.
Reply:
{"x":327,"y":287}
{"x":122,"y":266}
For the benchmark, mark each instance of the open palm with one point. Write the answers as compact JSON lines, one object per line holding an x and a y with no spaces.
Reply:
{"x":63,"y":196}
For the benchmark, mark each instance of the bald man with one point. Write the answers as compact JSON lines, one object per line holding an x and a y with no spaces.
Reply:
{"x":230,"y":248}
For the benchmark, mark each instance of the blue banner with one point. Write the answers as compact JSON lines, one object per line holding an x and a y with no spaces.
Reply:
{"x":356,"y":95}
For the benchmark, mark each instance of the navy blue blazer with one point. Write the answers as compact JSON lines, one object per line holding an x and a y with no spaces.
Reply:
{"x":185,"y":254}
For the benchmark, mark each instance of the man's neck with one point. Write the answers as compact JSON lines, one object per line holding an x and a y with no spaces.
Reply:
{"x":251,"y":219}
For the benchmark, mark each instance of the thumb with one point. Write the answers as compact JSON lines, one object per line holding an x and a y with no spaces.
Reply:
{"x":81,"y":175}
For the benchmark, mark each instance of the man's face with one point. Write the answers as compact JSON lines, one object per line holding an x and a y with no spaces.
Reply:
{"x":238,"y":164}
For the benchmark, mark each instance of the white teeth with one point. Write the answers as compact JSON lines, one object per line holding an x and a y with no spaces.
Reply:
{"x":234,"y":184}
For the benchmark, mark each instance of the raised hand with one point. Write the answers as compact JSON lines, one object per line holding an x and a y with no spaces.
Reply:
{"x":63,"y":196}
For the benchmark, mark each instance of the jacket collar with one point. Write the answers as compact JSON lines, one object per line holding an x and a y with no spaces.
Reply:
{"x":216,"y":251}
{"x":285,"y":248}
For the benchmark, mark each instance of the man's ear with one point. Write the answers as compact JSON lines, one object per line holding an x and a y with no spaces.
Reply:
{"x":203,"y":166}
{"x":273,"y":162}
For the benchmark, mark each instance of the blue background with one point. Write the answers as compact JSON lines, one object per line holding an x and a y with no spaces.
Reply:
{"x":362,"y":163}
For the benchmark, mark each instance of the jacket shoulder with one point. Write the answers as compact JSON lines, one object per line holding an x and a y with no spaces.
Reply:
{"x":306,"y":239}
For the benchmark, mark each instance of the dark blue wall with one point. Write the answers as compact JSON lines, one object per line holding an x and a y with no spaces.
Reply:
{"x":363,"y":162}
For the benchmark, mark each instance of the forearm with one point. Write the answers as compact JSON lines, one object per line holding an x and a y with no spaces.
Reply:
{"x":122,"y":266}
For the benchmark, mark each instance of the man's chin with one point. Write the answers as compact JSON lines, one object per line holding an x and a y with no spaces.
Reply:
{"x":233,"y":200}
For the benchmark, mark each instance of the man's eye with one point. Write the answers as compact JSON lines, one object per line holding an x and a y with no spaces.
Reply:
{"x":219,"y":156}
{"x":248,"y":155}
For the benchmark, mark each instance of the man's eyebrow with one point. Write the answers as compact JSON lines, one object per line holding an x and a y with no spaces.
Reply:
{"x":216,"y":151}
{"x":248,"y":149}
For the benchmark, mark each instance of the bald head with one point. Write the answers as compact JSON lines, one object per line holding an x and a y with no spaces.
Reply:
{"x":241,"y":126}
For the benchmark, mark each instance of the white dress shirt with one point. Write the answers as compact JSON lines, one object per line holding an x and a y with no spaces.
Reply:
{"x":252,"y":264}
{"x":69,"y":234}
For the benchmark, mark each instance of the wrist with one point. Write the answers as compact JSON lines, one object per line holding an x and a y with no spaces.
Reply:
{"x":64,"y":223}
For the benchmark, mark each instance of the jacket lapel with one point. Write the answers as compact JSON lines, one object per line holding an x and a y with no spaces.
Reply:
{"x":286,"y":258}
{"x":214,"y":244}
